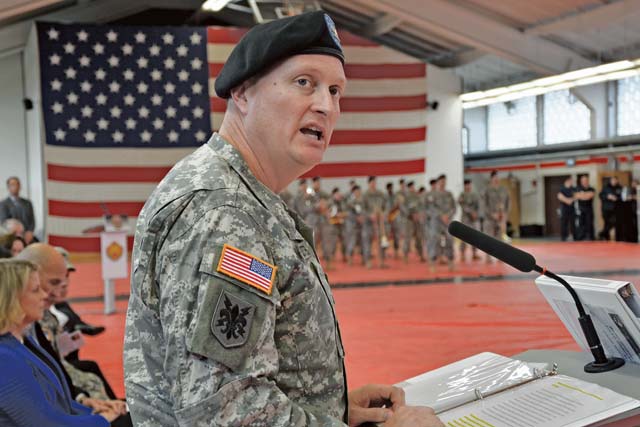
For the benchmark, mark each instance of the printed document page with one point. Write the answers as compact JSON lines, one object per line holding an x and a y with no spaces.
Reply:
{"x":555,"y":401}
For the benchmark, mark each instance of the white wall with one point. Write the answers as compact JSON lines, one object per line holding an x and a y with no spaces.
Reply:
{"x":444,"y":128}
{"x":475,"y":120}
{"x":13,"y":152}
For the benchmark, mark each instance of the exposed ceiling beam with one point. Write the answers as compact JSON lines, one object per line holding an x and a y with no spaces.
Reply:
{"x":97,"y":11}
{"x":457,"y":23}
{"x":381,"y":25}
{"x":26,"y":7}
{"x":461,"y":58}
{"x":599,"y":17}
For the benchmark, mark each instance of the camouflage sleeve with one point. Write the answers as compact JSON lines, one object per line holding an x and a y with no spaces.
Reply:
{"x":227,"y":354}
{"x":451,"y":205}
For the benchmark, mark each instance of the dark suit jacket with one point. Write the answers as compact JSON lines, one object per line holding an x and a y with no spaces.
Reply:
{"x":21,"y":210}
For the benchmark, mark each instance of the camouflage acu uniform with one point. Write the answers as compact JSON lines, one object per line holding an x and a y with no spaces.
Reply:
{"x":302,"y":205}
{"x":358,"y":228}
{"x":439,"y":237}
{"x":374,"y":206}
{"x":397,"y":217}
{"x":427,"y":207}
{"x":496,"y":209}
{"x":470,"y":205}
{"x":318,"y":219}
{"x":86,"y":381}
{"x":413,"y":224}
{"x":287,"y":198}
{"x":335,"y":229}
{"x":203,"y":348}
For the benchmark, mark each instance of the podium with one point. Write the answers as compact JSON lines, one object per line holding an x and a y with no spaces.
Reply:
{"x":624,"y":380}
{"x":113,"y":254}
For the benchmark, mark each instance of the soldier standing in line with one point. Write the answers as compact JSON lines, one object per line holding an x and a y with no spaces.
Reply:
{"x":413,"y":226}
{"x":469,"y":202}
{"x":302,"y":201}
{"x":317,"y":219}
{"x":356,"y":224}
{"x":496,"y":208}
{"x":287,"y":198}
{"x":336,"y":224}
{"x":398,"y":216}
{"x":391,"y":212}
{"x":427,"y":205}
{"x":374,"y":205}
{"x":442,"y":211}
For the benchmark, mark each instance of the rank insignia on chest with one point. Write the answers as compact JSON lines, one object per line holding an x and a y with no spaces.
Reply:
{"x":232,"y":320}
{"x":247,"y":268}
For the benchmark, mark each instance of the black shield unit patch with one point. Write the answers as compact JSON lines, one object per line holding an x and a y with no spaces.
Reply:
{"x":231,"y":323}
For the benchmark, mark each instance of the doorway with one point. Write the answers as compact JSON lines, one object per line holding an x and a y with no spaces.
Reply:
{"x":552,"y":186}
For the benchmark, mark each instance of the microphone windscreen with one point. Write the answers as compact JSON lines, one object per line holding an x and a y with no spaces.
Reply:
{"x":506,"y":253}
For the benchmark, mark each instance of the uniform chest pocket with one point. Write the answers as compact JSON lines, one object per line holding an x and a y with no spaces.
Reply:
{"x":307,"y":333}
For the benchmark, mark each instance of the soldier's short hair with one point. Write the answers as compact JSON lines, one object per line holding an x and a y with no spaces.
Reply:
{"x":401,"y":181}
{"x":432,"y":181}
{"x":422,"y":189}
{"x":389,"y":185}
{"x":335,"y":190}
{"x":371,"y":178}
{"x":441,"y":176}
{"x":315,"y":179}
{"x":494,"y":173}
{"x":302,"y":181}
{"x":410,"y":184}
{"x":355,"y":187}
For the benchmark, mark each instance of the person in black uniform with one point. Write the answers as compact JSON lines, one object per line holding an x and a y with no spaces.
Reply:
{"x":567,"y":211}
{"x":610,"y":197}
{"x":584,"y":195}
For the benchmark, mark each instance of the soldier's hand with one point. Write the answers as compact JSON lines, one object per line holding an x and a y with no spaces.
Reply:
{"x":366,"y":403}
{"x":414,"y":416}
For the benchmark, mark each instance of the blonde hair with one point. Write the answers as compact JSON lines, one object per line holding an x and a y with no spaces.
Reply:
{"x":14,"y":275}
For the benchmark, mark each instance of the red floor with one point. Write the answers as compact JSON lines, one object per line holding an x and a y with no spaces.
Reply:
{"x":394,"y":332}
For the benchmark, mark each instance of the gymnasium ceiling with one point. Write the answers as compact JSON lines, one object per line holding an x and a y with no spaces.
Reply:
{"x":488,"y":43}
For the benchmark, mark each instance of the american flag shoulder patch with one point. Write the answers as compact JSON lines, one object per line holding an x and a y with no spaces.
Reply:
{"x":247,"y":268}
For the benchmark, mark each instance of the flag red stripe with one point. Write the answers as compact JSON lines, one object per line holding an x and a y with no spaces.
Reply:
{"x":385,"y":71}
{"x":89,"y":175}
{"x":336,"y":170}
{"x":218,"y":35}
{"x":358,"y":104}
{"x":91,"y":209}
{"x":363,"y":71}
{"x":378,"y":136}
{"x":106,"y":174}
{"x":81,"y":244}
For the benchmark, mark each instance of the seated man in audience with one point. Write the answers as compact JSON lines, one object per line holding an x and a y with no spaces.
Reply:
{"x":33,"y":391}
{"x":18,"y":208}
{"x":52,"y":272}
{"x":14,"y":226}
{"x":72,"y":322}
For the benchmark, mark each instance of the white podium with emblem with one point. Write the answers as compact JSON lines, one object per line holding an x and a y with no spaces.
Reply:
{"x":113,"y":250}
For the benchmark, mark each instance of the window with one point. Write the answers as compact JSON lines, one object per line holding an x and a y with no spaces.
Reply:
{"x":512,"y":124}
{"x":566,"y":118}
{"x":465,"y":140}
{"x":629,"y":106}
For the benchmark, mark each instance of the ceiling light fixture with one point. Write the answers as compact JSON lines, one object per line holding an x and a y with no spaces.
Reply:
{"x":587,"y":76}
{"x":215,"y":5}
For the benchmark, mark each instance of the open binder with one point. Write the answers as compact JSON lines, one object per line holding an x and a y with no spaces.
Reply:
{"x":489,"y":390}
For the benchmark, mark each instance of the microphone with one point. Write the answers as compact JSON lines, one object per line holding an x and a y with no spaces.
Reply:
{"x":525,"y":262}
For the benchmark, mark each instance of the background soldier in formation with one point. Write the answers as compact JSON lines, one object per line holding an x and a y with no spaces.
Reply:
{"x":317,"y":217}
{"x":427,"y":205}
{"x":336,"y":229}
{"x":442,"y":211}
{"x":302,"y":200}
{"x":358,"y":227}
{"x":374,"y":205}
{"x":413,"y":225}
{"x":496,"y":208}
{"x":469,"y":202}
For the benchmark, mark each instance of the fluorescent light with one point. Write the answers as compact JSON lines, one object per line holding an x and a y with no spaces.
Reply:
{"x":600,"y":73}
{"x":215,"y":5}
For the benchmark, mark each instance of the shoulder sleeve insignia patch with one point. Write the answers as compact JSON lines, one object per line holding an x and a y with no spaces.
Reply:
{"x":232,"y":319}
{"x":247,"y":268}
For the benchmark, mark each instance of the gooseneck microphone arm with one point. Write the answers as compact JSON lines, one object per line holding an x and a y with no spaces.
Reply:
{"x":525,"y":262}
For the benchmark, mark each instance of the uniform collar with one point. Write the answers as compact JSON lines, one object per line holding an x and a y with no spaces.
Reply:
{"x":232,"y":156}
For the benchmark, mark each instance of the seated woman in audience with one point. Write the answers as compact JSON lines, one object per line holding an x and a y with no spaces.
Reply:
{"x":33,"y":391}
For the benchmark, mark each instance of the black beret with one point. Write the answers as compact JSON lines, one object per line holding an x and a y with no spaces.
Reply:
{"x":266,"y":44}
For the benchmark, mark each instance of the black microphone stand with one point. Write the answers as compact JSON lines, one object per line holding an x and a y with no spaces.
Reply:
{"x":601,"y":362}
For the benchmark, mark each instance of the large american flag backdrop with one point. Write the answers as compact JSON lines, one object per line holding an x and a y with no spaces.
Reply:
{"x":122,"y":104}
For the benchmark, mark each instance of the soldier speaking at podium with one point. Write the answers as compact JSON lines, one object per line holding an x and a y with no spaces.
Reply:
{"x":231,"y":321}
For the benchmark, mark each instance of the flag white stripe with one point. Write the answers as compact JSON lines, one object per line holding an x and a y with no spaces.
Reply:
{"x":217,"y":53}
{"x":69,"y":156}
{"x":74,"y":227}
{"x":373,"y":88}
{"x":103,"y":192}
{"x":244,"y":271}
{"x":370,"y":121}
